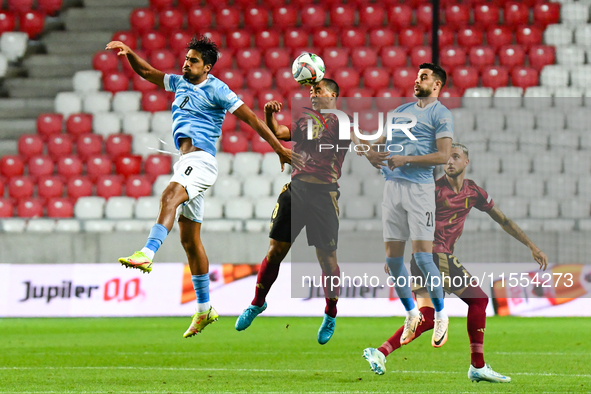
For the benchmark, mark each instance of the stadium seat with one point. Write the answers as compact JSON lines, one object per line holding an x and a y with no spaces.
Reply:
{"x":363,"y":58}
{"x":263,"y":207}
{"x":579,"y":76}
{"x":524,"y":77}
{"x":342,"y":15}
{"x":486,"y":164}
{"x":394,"y":57}
{"x":227,"y":188}
{"x":29,"y":208}
{"x":234,"y":142}
{"x":155,"y":101}
{"x":549,"y":165}
{"x":325,"y":37}
{"x":6,"y":208}
{"x":561,"y":187}
{"x":533,"y":142}
{"x":49,"y":124}
{"x":152,"y":40}
{"x":145,"y":144}
{"x":411,"y":37}
{"x":371,"y":15}
{"x":376,"y":78}
{"x":106,"y":123}
{"x":238,"y":208}
{"x":156,"y":165}
{"x":69,"y":166}
{"x":570,"y":55}
{"x":169,"y":20}
{"x":348,"y":78}
{"x":404,"y":78}
{"x":555,"y":76}
{"x":105,"y":61}
{"x":568,"y":98}
{"x":108,"y":186}
{"x":79,"y":124}
{"x":312,"y":16}
{"x":138,"y":186}
{"x":60,"y":208}
{"x":514,"y":207}
{"x":7,"y":21}
{"x":546,"y":13}
{"x":452,"y":57}
{"x":29,"y":145}
{"x":353,"y":37}
{"x":266,"y":39}
{"x":59,"y":145}
{"x":511,"y":55}
{"x":11,"y":166}
{"x":530,"y":187}
{"x":381,"y":37}
{"x":40,"y":165}
{"x":285,"y":16}
{"x":583,"y":35}
{"x":574,"y":208}
{"x":558,"y":35}
{"x":256,"y":187}
{"x":400,"y":17}
{"x":13,"y":45}
{"x":98,"y":165}
{"x":465,"y":77}
{"x":551,"y":119}
{"x":500,"y":185}
{"x":248,"y":58}
{"x":147,"y":207}
{"x":268,"y":95}
{"x":574,"y":13}
{"x":543,"y":208}
{"x":129,"y":38}
{"x":118,"y":144}
{"x":294,"y":38}
{"x":162,"y":59}
{"x":528,"y":36}
{"x":142,"y":20}
{"x":115,"y":81}
{"x":127,"y":164}
{"x":541,"y":56}
{"x":136,"y":123}
{"x":498,"y":36}
{"x":32,"y":23}
{"x":276,"y":58}
{"x":256,"y":18}
{"x":259,"y":145}
{"x":486,"y":15}
{"x":424,"y":16}
{"x":259,"y":79}
{"x":89,"y":208}
{"x":490,"y":121}
{"x":335,"y":57}
{"x":457,"y":15}
{"x":495,"y":77}
{"x":79,"y":186}
{"x":227,"y":18}
{"x":516,"y":14}
{"x":95,"y":102}
{"x":563,"y":141}
{"x":20,"y":187}
{"x":233,"y":78}
{"x":247,"y":97}
{"x":160,"y":4}
{"x":49,"y":7}
{"x":198,"y":18}
{"x":67,"y":103}
{"x":238,"y":39}
{"x":49,"y":187}
{"x":446,"y":36}
{"x":178,"y":39}
{"x":469,"y":36}
{"x":246,"y":164}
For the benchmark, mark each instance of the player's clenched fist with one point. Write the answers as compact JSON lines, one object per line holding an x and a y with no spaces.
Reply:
{"x":273,"y":106}
{"x":123,"y":49}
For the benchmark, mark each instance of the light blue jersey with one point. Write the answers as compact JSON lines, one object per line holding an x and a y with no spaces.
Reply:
{"x":433,"y":122}
{"x":199,"y":110}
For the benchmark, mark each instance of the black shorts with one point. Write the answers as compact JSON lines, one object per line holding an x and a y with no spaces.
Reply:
{"x":311,"y":205}
{"x":455,"y":277}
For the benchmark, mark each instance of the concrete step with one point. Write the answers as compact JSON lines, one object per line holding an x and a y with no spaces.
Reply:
{"x":81,"y":43}
{"x":11,"y":108}
{"x":117,"y":3}
{"x":12,"y":129}
{"x":98,"y":18}
{"x":55,"y":66}
{"x":8,"y":147}
{"x":37,"y":87}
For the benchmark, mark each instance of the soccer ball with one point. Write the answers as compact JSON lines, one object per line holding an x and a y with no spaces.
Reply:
{"x":308,"y":69}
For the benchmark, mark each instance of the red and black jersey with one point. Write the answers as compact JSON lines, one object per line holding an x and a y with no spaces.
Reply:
{"x":452,"y":210}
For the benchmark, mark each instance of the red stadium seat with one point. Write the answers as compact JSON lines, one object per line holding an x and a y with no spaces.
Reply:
{"x":233,"y":78}
{"x":69,"y":166}
{"x":160,"y":4}
{"x":50,"y":187}
{"x":79,"y":186}
{"x":295,"y":38}
{"x":541,"y":55}
{"x":214,"y":36}
{"x":372,"y":15}
{"x":160,"y":164}
{"x":7,"y":21}
{"x":29,"y":145}
{"x":224,"y":59}
{"x":276,"y":58}
{"x":342,"y":15}
{"x":153,"y":40}
{"x":246,"y":96}
{"x":388,"y":98}
{"x":139,"y":84}
{"x":546,"y":13}
{"x":105,"y":61}
{"x":170,"y":20}
{"x":495,"y":77}
{"x":381,"y":37}
{"x":524,"y":77}
{"x":353,"y":37}
{"x":457,"y":15}
{"x":394,"y":56}
{"x":400,"y":17}
{"x":60,"y":208}
{"x":227,"y":18}
{"x":29,"y":208}
{"x":97,"y":166}
{"x":511,"y":55}
{"x":32,"y":23}
{"x":451,"y":97}
{"x":411,"y":37}
{"x":267,"y":95}
{"x":348,"y":78}
{"x":40,"y":165}
{"x":109,"y":186}
{"x":128,"y":164}
{"x":283,"y":117}
{"x":266,"y":39}
{"x":325,"y":37}
{"x":284,"y":80}
{"x":234,"y":143}
{"x":142,"y":20}
{"x":162,"y":59}
{"x":420,"y":55}
{"x":49,"y":7}
{"x":481,"y":56}
{"x":336,"y":57}
{"x":118,"y":144}
{"x":498,"y":36}
{"x":424,"y":15}
{"x":301,"y":2}
{"x":178,"y":40}
{"x":138,"y":186}
{"x":528,"y":36}
{"x":6,"y":208}
{"x":155,"y":101}
{"x":228,"y":125}
{"x":486,"y":15}
{"x":465,"y":77}
{"x":404,"y":78}
{"x":198,"y":18}
{"x":115,"y":81}
{"x":516,"y":14}
{"x":190,"y":4}
{"x":89,"y":145}
{"x":248,"y":58}
{"x":256,"y":18}
{"x":363,"y":57}
{"x":59,"y":145}
{"x":259,"y":79}
{"x":259,"y":145}
{"x":127,"y":37}
{"x":375,"y":78}
{"x":11,"y":166}
{"x":79,"y":124}
{"x":238,"y":39}
{"x":446,"y":36}
{"x":313,"y":15}
{"x":49,"y":124}
{"x":360,"y":99}
{"x":469,"y":36}
{"x":285,"y":16}
{"x":20,"y":187}
{"x":126,"y":67}
{"x":452,"y":56}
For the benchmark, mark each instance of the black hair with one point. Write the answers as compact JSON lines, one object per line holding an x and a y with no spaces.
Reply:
{"x":331,"y":85}
{"x":438,"y":72}
{"x":207,"y":48}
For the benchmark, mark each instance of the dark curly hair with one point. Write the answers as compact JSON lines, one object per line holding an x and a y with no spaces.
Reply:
{"x":207,"y":48}
{"x":438,"y":72}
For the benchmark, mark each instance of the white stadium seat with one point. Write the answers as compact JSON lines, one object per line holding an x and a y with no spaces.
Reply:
{"x":514,"y":208}
{"x":574,"y":13}
{"x":270,"y":164}
{"x":508,"y":97}
{"x":577,"y":163}
{"x":519,"y":120}
{"x":485,"y":163}
{"x":575,"y":209}
{"x":87,"y":81}
{"x":503,"y":142}
{"x":543,"y":97}
{"x":586,"y":142}
{"x":368,"y":225}
{"x":533,"y":142}
{"x":147,"y":207}
{"x":347,"y":224}
{"x":463,"y":120}
{"x":246,"y":163}
{"x":40,"y":225}
{"x":225,"y":162}
{"x":256,"y":226}
{"x":106,"y":123}
{"x":97,"y":102}
{"x":129,"y":225}
{"x":238,"y":208}
{"x":477,"y":98}
{"x":580,"y":76}
{"x":263,"y":208}
{"x":13,"y":44}
{"x":119,"y":207}
{"x":360,"y":208}
{"x":213,"y":209}
{"x":136,"y":122}
{"x":13,"y":225}
{"x":500,"y":185}
{"x":583,"y":35}
{"x":516,"y":165}
{"x":127,"y":101}
{"x":162,"y":122}
{"x":160,"y":184}
{"x":256,"y":187}
{"x":3,"y":65}
{"x":491,"y":120}
{"x":350,"y":187}
{"x":564,"y":142}
{"x":360,"y":166}
{"x":570,"y":55}
{"x":554,"y":76}
{"x":561,"y":186}
{"x":226,"y":188}
{"x":67,"y":103}
{"x":584,"y":188}
{"x":373,"y":187}
{"x":558,"y":35}
{"x":547,"y":164}
{"x":99,"y":226}
{"x":145,"y":144}
{"x":579,"y":120}
{"x":543,"y":208}
{"x":531,"y":187}
{"x":279,"y":183}
{"x":474,"y":141}
{"x":221,"y":225}
{"x":529,"y":225}
{"x":89,"y":208}
{"x":550,"y":119}
{"x":558,"y":225}
{"x":68,"y":226}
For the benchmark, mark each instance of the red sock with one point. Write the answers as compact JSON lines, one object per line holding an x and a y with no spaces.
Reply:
{"x":394,"y":342}
{"x":333,"y":294}
{"x":477,"y":301}
{"x":265,"y":280}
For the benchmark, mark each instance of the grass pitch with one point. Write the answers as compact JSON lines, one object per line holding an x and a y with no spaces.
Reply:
{"x":149,"y":355}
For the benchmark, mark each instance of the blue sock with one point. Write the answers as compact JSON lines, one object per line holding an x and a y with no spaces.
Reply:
{"x":427,"y":265}
{"x":201,"y":286}
{"x":157,"y":236}
{"x":397,"y":268}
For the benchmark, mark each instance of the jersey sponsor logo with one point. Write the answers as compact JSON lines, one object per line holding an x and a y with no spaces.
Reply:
{"x":232,"y":96}
{"x":445,"y":120}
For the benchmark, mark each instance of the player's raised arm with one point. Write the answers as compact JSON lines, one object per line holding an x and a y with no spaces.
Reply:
{"x":139,"y":65}
{"x":516,"y":232}
{"x":281,"y":132}
{"x":431,"y":159}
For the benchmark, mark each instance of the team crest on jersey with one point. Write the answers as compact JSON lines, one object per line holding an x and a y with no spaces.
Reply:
{"x":320,"y":123}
